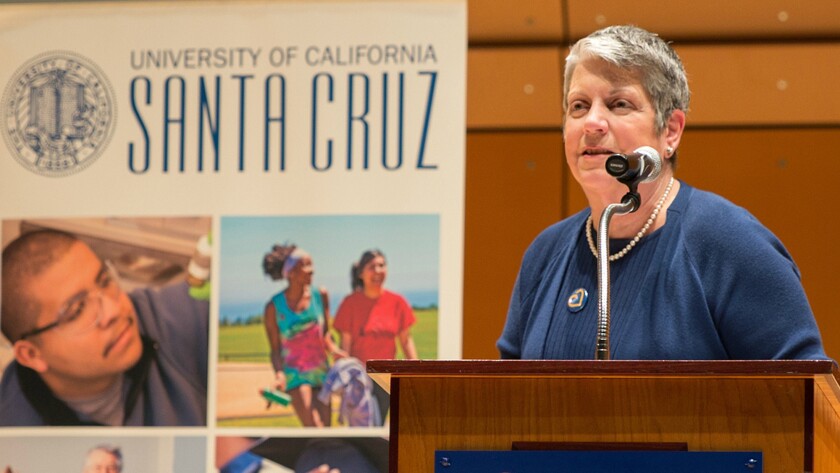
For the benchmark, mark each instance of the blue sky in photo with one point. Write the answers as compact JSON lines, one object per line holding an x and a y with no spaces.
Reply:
{"x":411,"y":244}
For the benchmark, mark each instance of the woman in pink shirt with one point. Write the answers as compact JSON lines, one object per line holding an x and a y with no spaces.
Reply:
{"x":372,"y":318}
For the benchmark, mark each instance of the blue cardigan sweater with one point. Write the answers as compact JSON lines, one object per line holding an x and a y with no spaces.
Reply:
{"x":712,"y":284}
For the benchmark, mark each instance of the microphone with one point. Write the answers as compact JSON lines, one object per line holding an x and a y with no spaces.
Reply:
{"x":642,"y":165}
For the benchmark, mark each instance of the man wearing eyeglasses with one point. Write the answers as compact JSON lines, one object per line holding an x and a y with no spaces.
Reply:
{"x":87,"y":353}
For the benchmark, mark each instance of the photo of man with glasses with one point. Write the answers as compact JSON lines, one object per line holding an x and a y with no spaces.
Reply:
{"x":88,"y":353}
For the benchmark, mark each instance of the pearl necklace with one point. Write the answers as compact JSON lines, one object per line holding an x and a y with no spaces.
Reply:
{"x":638,"y":236}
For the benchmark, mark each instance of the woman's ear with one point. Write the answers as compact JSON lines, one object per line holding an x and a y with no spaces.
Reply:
{"x":29,"y":355}
{"x":674,"y":129}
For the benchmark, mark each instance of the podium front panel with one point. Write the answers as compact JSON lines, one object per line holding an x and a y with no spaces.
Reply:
{"x":709,"y":414}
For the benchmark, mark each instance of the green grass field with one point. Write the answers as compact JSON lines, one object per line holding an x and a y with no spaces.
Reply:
{"x":248,"y":343}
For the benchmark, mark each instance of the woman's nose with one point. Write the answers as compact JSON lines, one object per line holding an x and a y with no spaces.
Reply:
{"x":596,"y":120}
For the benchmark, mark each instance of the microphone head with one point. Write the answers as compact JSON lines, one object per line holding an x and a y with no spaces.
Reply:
{"x":653,"y":159}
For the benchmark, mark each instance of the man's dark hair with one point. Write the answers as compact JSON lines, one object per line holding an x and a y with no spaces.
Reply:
{"x":23,"y":259}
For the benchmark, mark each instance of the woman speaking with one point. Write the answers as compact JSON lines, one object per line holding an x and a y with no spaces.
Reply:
{"x":694,"y":276}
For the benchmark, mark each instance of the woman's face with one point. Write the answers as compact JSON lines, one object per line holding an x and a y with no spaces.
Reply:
{"x":302,"y":272}
{"x":608,"y":112}
{"x":374,"y":272}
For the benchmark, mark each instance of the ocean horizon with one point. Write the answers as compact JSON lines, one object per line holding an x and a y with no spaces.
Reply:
{"x":236,"y":311}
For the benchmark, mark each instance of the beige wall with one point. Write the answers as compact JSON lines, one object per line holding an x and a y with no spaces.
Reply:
{"x":763,"y":130}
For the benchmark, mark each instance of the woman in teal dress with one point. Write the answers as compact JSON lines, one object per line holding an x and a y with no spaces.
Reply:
{"x":297,"y":321}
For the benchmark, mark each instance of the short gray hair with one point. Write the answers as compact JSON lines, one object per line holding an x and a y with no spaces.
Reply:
{"x":644,"y":53}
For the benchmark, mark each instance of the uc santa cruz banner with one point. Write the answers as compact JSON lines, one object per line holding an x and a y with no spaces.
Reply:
{"x":210,"y":156}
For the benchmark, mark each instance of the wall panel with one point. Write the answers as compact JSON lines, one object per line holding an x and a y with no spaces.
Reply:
{"x":514,"y":21}
{"x":763,"y":84}
{"x":513,"y":192}
{"x":514,"y":87}
{"x":712,"y":19}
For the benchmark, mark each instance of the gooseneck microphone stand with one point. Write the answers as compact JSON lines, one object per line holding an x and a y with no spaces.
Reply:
{"x":629,"y":204}
{"x":642,"y":165}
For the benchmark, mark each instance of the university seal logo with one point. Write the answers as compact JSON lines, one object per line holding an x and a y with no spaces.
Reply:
{"x":58,"y":111}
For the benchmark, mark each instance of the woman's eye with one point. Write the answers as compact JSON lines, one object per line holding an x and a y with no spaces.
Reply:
{"x":577,"y":108}
{"x":621,"y":104}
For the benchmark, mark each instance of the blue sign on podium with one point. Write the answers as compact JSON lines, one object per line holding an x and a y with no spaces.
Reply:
{"x":542,"y":461}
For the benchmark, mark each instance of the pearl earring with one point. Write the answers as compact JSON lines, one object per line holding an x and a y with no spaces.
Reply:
{"x":669,"y":151}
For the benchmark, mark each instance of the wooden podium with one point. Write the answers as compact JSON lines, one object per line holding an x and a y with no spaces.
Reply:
{"x":788,"y":410}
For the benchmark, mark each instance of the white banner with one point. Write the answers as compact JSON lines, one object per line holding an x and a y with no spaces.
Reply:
{"x":336,"y":127}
